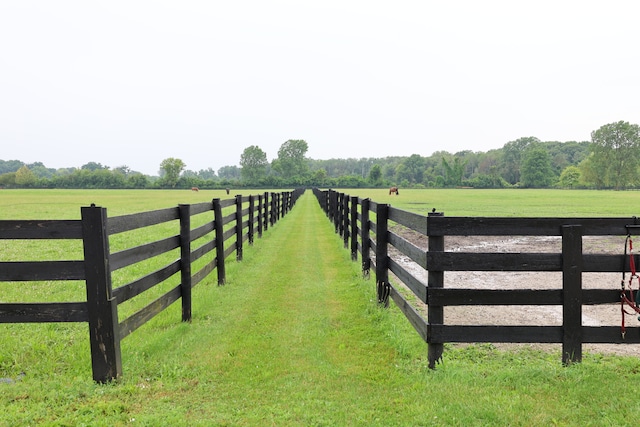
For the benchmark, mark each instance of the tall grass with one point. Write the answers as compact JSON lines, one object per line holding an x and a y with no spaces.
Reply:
{"x":296,"y":338}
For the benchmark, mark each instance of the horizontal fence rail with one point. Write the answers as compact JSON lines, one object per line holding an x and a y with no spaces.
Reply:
{"x":366,"y":224}
{"x":230,"y":223}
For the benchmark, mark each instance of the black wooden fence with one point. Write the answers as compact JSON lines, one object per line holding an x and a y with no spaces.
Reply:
{"x":224,"y":234}
{"x":351,"y":216}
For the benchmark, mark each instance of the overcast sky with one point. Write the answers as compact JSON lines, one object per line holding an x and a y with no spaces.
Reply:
{"x":134,"y":82}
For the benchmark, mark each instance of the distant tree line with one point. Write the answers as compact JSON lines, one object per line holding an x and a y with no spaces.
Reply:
{"x":608,"y":161}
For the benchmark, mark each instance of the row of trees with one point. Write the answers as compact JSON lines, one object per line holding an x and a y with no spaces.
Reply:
{"x":609,"y":160}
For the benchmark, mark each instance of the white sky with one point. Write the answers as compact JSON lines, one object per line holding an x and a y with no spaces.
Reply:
{"x":134,"y":82}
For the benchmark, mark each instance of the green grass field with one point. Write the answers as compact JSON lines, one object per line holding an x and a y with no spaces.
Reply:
{"x":295,"y":337}
{"x":508,"y":203}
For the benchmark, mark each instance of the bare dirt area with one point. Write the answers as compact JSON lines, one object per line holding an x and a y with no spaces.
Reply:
{"x":597,"y":315}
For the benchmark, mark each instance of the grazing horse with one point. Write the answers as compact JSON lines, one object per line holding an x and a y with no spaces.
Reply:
{"x":394,"y":190}
{"x":227,"y":191}
{"x":195,"y":189}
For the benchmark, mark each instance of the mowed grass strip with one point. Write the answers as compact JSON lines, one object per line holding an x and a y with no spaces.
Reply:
{"x":298,"y":345}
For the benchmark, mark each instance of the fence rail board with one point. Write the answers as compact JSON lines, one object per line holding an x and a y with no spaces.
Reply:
{"x":519,"y":226}
{"x":45,"y":229}
{"x":43,"y":312}
{"x":415,"y":285}
{"x":120,"y":224}
{"x":417,"y":255}
{"x":409,"y":219}
{"x":202,"y":231}
{"x":131,"y":256}
{"x":141,"y":317}
{"x":21,"y":271}
{"x":132,"y":289}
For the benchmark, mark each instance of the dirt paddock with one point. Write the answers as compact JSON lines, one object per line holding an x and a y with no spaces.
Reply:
{"x":592,"y":315}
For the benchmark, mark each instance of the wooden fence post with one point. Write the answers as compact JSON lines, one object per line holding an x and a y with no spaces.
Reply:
{"x":339,"y":211}
{"x":435,"y":279}
{"x":335,"y":208}
{"x":345,"y":219}
{"x":104,"y":330}
{"x":251,"y":221}
{"x":382,"y":255}
{"x":354,"y":228}
{"x":239,"y":227}
{"x":217,"y":218}
{"x":185,"y":260}
{"x":274,"y":209}
{"x":285,"y":204}
{"x":260,"y":214}
{"x":572,"y":267}
{"x":325,"y":201}
{"x":266,"y":210}
{"x":365,"y":238}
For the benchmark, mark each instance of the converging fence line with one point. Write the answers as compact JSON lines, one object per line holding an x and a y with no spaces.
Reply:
{"x":234,"y":222}
{"x":351,"y":217}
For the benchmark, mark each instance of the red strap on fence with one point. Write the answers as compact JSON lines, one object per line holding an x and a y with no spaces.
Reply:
{"x":624,"y":299}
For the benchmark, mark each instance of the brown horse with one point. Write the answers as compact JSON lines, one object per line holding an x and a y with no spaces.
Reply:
{"x":394,"y":190}
{"x":195,"y":189}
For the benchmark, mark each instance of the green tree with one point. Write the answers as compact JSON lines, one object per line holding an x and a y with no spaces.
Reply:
{"x":24,"y":177}
{"x":512,"y":153}
{"x":40,"y":171}
{"x":454,"y":172}
{"x":570,"y":177}
{"x":536,"y":170}
{"x":229,"y":172}
{"x":319,"y":177}
{"x":123,"y":170}
{"x":254,"y":164}
{"x":93,"y":166}
{"x":375,"y":175}
{"x":616,"y":152}
{"x":8,"y":179}
{"x":208,"y":173}
{"x":402,"y":173}
{"x":170,"y":170}
{"x":291,"y":162}
{"x":588,"y":174}
{"x":137,"y":180}
{"x":412,"y":170}
{"x":10,"y":166}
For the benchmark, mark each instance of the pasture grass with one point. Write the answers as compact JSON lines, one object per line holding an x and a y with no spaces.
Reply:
{"x":508,"y":202}
{"x":295,"y":338}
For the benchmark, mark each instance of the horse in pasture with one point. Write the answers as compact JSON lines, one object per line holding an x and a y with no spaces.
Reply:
{"x":394,"y":190}
{"x":227,"y":191}
{"x":195,"y":189}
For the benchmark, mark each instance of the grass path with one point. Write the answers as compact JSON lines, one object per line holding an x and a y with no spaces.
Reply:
{"x":299,"y":343}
